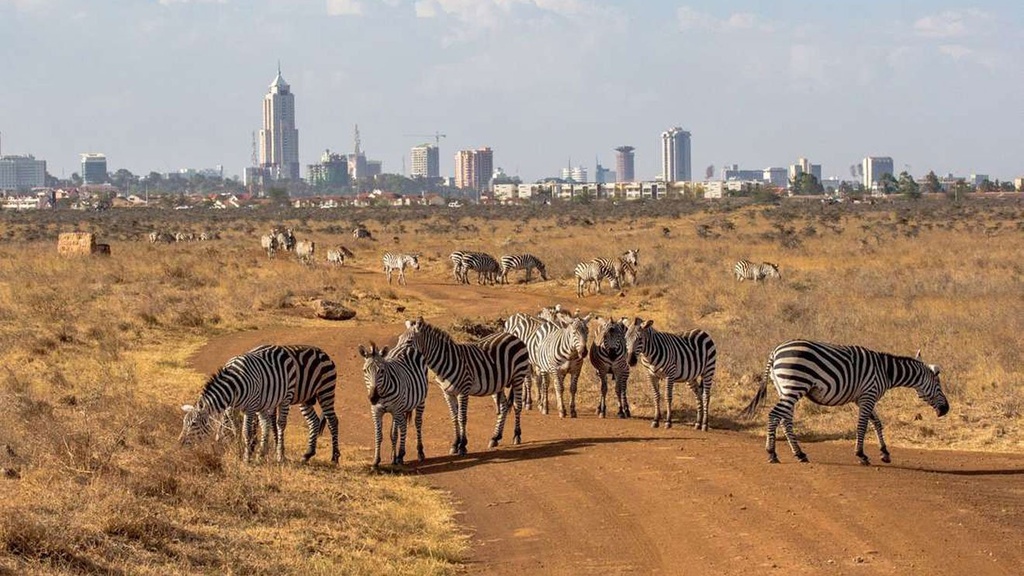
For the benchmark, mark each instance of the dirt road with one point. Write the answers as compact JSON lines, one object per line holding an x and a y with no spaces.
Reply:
{"x":592,"y":496}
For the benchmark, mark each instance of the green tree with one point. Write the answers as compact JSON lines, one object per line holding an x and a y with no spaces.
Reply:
{"x":931,"y":184}
{"x":888,"y":184}
{"x":959,"y":190}
{"x":805,"y":184}
{"x":908,"y":187}
{"x":986,"y":185}
{"x":278,"y":195}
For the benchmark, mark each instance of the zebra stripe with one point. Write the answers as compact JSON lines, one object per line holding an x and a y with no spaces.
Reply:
{"x":592,"y":273}
{"x":746,"y":270}
{"x":483,"y":368}
{"x":269,"y":243}
{"x":524,"y":327}
{"x":487,"y":268}
{"x":687,"y":357}
{"x":558,"y":350}
{"x":608,"y":357}
{"x":525,"y":262}
{"x":457,"y":271}
{"x":305,"y":250}
{"x":832,"y":375}
{"x":399,"y":262}
{"x":396,"y":383}
{"x":264,"y":382}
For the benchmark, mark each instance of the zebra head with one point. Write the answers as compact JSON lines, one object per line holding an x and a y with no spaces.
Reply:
{"x":372,"y":361}
{"x":197,"y":423}
{"x":929,"y":389}
{"x":579,"y":330}
{"x":611,"y":336}
{"x":417,"y":332}
{"x":632,"y":256}
{"x":637,"y":333}
{"x":771,"y":270}
{"x":543,"y":271}
{"x":414,"y":261}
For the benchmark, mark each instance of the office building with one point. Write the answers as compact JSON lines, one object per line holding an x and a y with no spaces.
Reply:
{"x":803,"y":166}
{"x":576,"y":174}
{"x":426,"y":162}
{"x":22,"y":172}
{"x":473,"y":168}
{"x":94,"y":168}
{"x":332,"y":171}
{"x":675,"y":156}
{"x":874,"y":167}
{"x":624,"y":162}
{"x":279,"y":138}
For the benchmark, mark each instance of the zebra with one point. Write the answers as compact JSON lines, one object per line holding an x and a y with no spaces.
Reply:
{"x":558,"y":350}
{"x":285,"y":240}
{"x":269,"y":243}
{"x":361,"y":232}
{"x":524,"y":327}
{"x":521,"y":262}
{"x":482,"y":368}
{"x":399,"y":262}
{"x":608,"y":357}
{"x":265,"y":382}
{"x":746,"y":270}
{"x":338,"y":255}
{"x":457,"y":257}
{"x":593,"y":272}
{"x":396,"y":382}
{"x":686,"y":357}
{"x":487,"y":268}
{"x":305,"y":250}
{"x":832,"y":375}
{"x":625,"y":265}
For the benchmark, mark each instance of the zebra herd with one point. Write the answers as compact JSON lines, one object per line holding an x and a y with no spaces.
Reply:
{"x":156,"y":237}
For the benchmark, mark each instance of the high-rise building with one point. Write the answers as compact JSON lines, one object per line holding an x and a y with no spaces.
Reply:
{"x":874,"y":167}
{"x":577,"y":174}
{"x":624,"y":161}
{"x":426,"y":162}
{"x":675,"y":155}
{"x":473,"y":168}
{"x":21,"y":172}
{"x":603,"y":175}
{"x":803,"y":166}
{"x":332,"y":170}
{"x":279,"y":138}
{"x":94,"y":168}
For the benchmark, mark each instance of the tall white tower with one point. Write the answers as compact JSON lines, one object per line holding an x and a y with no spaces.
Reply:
{"x":279,"y":138}
{"x":675,"y":155}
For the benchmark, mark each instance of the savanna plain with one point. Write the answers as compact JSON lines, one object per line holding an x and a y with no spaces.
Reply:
{"x":99,"y":353}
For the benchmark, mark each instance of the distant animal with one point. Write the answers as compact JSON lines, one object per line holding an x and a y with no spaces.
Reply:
{"x":527,"y":262}
{"x":456,"y":259}
{"x":305,"y":250}
{"x":608,"y":357}
{"x":559,"y":349}
{"x":833,"y":375}
{"x":269,"y":243}
{"x":399,"y":262}
{"x":746,"y":270}
{"x":486,"y":266}
{"x":625,"y":265}
{"x":686,"y":357}
{"x":396,"y":383}
{"x":594,"y":272}
{"x":361,"y":232}
{"x":487,"y":367}
{"x":264,"y":382}
{"x":286,"y":240}
{"x":164,"y":237}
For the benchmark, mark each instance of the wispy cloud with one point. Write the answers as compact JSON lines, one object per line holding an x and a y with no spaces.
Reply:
{"x":951,"y":23}
{"x":344,"y":7}
{"x":693,"y":19}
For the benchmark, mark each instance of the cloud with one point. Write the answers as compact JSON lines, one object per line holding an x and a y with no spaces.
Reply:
{"x":951,"y":24}
{"x":692,"y":19}
{"x":344,"y":7}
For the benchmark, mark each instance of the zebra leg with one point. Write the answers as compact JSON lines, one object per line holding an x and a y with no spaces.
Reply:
{"x":420,"y":455}
{"x":280,"y":425}
{"x":388,"y":272}
{"x":401,"y":277}
{"x":248,"y":436}
{"x":705,"y":402}
{"x":621,"y":380}
{"x":769,"y":445}
{"x":602,"y":406}
{"x":517,"y":406}
{"x":266,"y":423}
{"x":784,"y":413}
{"x":453,"y":410}
{"x":313,"y":424}
{"x":669,"y":386}
{"x":528,"y":389}
{"x":866,"y":408}
{"x":560,"y":391}
{"x":656,"y":388}
{"x":327,"y":406}
{"x":463,"y":411}
{"x":377,"y":411}
{"x":399,"y":428}
{"x":499,"y":401}
{"x":499,"y":425}
{"x":876,"y":423}
{"x":697,"y":387}
{"x":574,"y":382}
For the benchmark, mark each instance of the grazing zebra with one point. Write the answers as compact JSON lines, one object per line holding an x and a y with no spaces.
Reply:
{"x":592,"y":273}
{"x":265,"y":382}
{"x":832,"y":375}
{"x":305,"y":250}
{"x":285,"y":240}
{"x":521,"y":262}
{"x":686,"y":357}
{"x":399,"y":262}
{"x":457,"y":271}
{"x":482,"y":368}
{"x":746,"y":270}
{"x":487,"y":268}
{"x":269,"y":243}
{"x":338,"y":255}
{"x":165,"y":237}
{"x":608,"y":356}
{"x":361,"y":232}
{"x":396,"y":382}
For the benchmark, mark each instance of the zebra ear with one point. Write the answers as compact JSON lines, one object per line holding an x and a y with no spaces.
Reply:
{"x":934,"y":368}
{"x":408,"y":324}
{"x":384,"y":351}
{"x":649,"y":323}
{"x":188,"y":408}
{"x":586,"y":318}
{"x":362,"y":351}
{"x":918,"y":355}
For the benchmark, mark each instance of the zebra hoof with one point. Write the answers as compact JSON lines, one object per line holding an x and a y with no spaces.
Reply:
{"x":668,"y":423}
{"x":462,"y":451}
{"x":517,"y":440}
{"x":628,"y":415}
{"x":864,"y":461}
{"x":572,"y":414}
{"x":655,"y":424}
{"x":492,"y":444}
{"x":803,"y":458}
{"x":773,"y":459}
{"x":454,"y":450}
{"x":335,"y":457}
{"x":886,"y":458}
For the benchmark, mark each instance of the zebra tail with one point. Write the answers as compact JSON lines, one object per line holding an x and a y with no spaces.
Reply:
{"x":762,"y":393}
{"x":321,"y":426}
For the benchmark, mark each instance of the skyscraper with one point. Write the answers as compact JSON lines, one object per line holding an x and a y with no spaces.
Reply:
{"x":874,"y":168}
{"x":624,"y":164}
{"x":425,"y":162}
{"x":94,"y":168}
{"x":675,"y":155}
{"x":473,"y":168}
{"x":279,"y":138}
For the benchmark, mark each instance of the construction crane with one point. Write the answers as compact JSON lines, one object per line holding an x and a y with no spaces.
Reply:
{"x":436,"y":136}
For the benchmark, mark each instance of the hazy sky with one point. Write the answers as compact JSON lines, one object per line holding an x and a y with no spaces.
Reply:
{"x":168,"y":84}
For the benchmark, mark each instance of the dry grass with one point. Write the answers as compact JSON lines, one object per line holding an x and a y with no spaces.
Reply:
{"x":94,"y":355}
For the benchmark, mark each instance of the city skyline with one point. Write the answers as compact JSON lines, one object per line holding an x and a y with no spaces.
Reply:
{"x":932,"y":85}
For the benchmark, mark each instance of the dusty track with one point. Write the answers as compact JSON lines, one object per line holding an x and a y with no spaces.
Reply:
{"x":611,"y":496}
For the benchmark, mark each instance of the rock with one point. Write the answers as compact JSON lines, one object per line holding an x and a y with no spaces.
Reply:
{"x":329,"y":310}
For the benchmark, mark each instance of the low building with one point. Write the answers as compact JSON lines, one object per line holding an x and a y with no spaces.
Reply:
{"x":22,"y":172}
